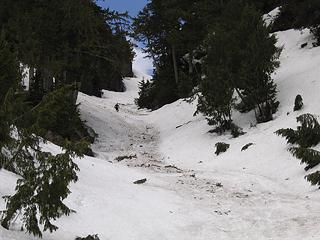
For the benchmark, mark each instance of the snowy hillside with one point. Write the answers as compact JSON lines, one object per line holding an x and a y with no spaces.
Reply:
{"x":190,"y":193}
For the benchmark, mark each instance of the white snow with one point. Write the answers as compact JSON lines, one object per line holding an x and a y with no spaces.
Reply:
{"x":190,"y":193}
{"x":271,"y":16}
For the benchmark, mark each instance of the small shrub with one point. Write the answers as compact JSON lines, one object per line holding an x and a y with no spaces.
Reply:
{"x":314,"y":178}
{"x":145,"y":94}
{"x":161,"y":90}
{"x":236,"y":131}
{"x":221,"y":147}
{"x":245,"y":147}
{"x":89,"y":237}
{"x":298,"y":103}
{"x":224,"y":126}
{"x":306,"y":155}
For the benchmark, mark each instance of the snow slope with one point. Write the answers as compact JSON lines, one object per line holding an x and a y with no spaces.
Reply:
{"x":190,"y":193}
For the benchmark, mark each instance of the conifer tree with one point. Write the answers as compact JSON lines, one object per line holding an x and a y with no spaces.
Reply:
{"x":314,"y":178}
{"x":45,"y":177}
{"x":80,"y":39}
{"x":299,"y":14}
{"x":306,"y":136}
{"x":173,"y":32}
{"x":216,"y":97}
{"x":241,"y":55}
{"x":9,"y":69}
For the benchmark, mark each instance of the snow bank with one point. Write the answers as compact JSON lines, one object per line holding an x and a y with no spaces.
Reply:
{"x":259,"y":193}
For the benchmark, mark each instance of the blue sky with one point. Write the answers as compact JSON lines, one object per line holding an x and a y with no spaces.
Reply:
{"x":140,"y":63}
{"x":132,"y":6}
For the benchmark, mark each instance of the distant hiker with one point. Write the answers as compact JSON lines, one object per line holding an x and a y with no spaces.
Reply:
{"x":116,"y":107}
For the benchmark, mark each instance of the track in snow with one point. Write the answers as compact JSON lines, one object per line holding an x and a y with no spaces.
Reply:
{"x":224,"y":205}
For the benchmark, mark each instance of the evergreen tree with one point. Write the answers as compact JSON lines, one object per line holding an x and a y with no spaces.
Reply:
{"x":306,"y":136}
{"x":254,"y":62}
{"x":57,"y":114}
{"x":216,"y":97}
{"x":299,"y":14}
{"x":173,"y":32}
{"x":45,"y":177}
{"x":241,"y":55}
{"x":9,"y":69}
{"x":145,"y":95}
{"x":80,"y":38}
{"x":44,"y":186}
{"x":314,"y":178}
{"x":308,"y":156}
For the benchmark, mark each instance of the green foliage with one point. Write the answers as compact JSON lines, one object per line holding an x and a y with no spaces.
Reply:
{"x":298,"y":103}
{"x":307,"y":156}
{"x":10,"y":102}
{"x":221,"y":147}
{"x":82,"y":43}
{"x":314,"y":178}
{"x":157,"y":92}
{"x":299,"y":14}
{"x":216,"y":97}
{"x":241,"y":56}
{"x":236,"y":131}
{"x":306,"y":135}
{"x":185,"y":85}
{"x":145,"y":95}
{"x":290,"y":135}
{"x":265,"y":6}
{"x":224,"y":126}
{"x":173,"y":32}
{"x":44,"y":177}
{"x":44,"y":183}
{"x":179,"y":34}
{"x":40,"y":193}
{"x":254,"y":60}
{"x":58,"y":113}
{"x":9,"y":68}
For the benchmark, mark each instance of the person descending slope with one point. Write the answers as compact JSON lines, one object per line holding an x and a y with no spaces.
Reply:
{"x":116,"y":107}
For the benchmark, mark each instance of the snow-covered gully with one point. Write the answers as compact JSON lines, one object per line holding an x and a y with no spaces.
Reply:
{"x":214,"y":204}
{"x":191,"y":194}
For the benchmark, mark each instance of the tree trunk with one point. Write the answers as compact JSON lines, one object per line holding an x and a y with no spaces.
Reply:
{"x":175,"y":67}
{"x":190,"y":63}
{"x":153,"y":57}
{"x":47,"y":80}
{"x":31,"y":76}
